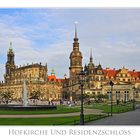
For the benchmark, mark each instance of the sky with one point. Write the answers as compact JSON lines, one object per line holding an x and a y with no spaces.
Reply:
{"x":46,"y":36}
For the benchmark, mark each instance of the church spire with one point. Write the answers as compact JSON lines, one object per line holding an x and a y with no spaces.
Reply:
{"x":76,"y":37}
{"x":76,"y":29}
{"x":91,"y":59}
{"x":91,"y":64}
{"x":10,"y":48}
{"x":10,"y":44}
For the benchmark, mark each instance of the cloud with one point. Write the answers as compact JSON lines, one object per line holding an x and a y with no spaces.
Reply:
{"x":46,"y":35}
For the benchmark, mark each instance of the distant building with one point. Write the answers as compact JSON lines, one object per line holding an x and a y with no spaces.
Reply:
{"x":97,"y":79}
{"x":37,"y":80}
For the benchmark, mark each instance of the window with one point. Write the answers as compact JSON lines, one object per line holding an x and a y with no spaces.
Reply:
{"x":97,"y":78}
{"x":102,"y":78}
{"x":117,"y":96}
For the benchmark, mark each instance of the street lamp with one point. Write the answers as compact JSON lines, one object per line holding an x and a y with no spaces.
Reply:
{"x":134,"y":98}
{"x":82,"y":78}
{"x":111,"y":84}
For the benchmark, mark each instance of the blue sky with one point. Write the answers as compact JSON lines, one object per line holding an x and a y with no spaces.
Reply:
{"x":46,"y":35}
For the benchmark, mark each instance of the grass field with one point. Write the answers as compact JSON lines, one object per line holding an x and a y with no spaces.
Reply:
{"x":71,"y":120}
{"x":59,"y":110}
{"x":116,"y":108}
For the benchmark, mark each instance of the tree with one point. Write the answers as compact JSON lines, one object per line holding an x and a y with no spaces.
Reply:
{"x":100,"y":97}
{"x":6,"y":96}
{"x":35,"y":95}
{"x":66,"y":95}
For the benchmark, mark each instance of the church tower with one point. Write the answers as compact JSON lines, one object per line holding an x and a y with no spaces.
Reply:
{"x":91,"y":64}
{"x":75,"y":58}
{"x":10,"y":64}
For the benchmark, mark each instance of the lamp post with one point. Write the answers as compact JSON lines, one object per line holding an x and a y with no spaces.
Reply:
{"x":111,"y":84}
{"x":82,"y":76}
{"x":134,"y":98}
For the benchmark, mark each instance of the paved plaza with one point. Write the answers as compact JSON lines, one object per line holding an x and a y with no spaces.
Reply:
{"x":128,"y":118}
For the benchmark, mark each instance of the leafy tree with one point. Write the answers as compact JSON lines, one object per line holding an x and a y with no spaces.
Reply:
{"x":66,"y":95}
{"x":85,"y":97}
{"x":35,"y":95}
{"x":6,"y":96}
{"x":100,"y":97}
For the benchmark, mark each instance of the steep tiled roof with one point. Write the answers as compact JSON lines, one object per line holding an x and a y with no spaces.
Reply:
{"x":110,"y":72}
{"x":134,"y":74}
{"x":53,"y":78}
{"x":113,"y":72}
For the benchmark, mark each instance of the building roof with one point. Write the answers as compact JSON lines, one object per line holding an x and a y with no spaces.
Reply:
{"x":30,"y":66}
{"x":134,"y":74}
{"x":52,"y":78}
{"x":55,"y":79}
{"x":113,"y":72}
{"x":110,"y":72}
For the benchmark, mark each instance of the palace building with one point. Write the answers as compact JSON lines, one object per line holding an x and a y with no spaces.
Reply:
{"x":37,"y":80}
{"x":49,"y":87}
{"x":97,"y":79}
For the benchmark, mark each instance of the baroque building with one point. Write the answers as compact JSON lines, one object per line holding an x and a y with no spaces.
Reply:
{"x":36,"y":76}
{"x":32,"y":73}
{"x":97,"y":79}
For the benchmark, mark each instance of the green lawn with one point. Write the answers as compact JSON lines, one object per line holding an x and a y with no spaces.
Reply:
{"x":71,"y":120}
{"x":59,"y":110}
{"x":116,"y":108}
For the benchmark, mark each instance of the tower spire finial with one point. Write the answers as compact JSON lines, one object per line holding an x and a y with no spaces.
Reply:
{"x":10,"y":48}
{"x":10,"y":43}
{"x":76,"y":28}
{"x":91,"y":59}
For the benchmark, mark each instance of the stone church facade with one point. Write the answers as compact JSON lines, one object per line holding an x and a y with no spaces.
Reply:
{"x":37,"y":80}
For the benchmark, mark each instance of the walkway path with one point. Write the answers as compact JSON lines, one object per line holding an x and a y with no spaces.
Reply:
{"x":128,"y":118}
{"x":86,"y":112}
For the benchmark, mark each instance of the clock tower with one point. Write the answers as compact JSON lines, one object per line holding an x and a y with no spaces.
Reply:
{"x":75,"y":58}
